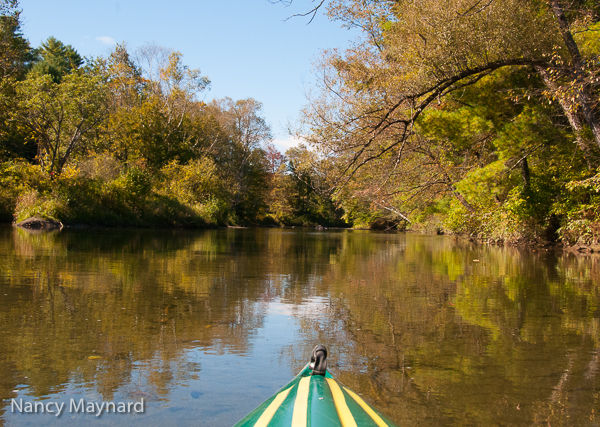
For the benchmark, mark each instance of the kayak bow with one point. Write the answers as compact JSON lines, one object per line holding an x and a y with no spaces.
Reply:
{"x":313,"y":398}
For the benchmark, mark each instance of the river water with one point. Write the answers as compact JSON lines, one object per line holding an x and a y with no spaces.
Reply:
{"x":202,"y":326}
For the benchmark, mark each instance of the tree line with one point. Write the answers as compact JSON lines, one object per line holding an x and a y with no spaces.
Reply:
{"x":126,"y":139}
{"x":477,"y":117}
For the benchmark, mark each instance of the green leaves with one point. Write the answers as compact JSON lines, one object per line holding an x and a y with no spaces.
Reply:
{"x":55,"y":59}
{"x":446,"y":101}
{"x":59,"y":117}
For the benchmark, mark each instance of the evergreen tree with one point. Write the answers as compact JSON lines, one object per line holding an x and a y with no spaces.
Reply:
{"x":56,"y":59}
{"x":15,"y":56}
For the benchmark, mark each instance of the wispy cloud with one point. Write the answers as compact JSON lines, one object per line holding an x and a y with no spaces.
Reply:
{"x":106,"y":40}
{"x":284,"y":144}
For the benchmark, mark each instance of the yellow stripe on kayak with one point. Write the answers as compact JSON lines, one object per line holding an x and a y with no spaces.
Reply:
{"x":268,"y":413}
{"x":339,"y":400}
{"x":299,"y":416}
{"x":367,"y":408}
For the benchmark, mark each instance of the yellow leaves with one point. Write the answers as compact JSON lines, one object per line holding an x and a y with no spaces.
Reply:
{"x":69,"y":172}
{"x":178,"y":79}
{"x":192,"y":182}
{"x":174,"y":69}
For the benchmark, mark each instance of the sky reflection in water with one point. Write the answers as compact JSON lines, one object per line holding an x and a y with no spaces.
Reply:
{"x":205,"y":325}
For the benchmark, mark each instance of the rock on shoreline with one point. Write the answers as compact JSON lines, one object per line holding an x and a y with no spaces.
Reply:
{"x":35,"y":223}
{"x":582,"y":248}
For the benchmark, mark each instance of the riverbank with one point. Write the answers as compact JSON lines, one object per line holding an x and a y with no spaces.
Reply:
{"x":178,"y":196}
{"x":577,"y":248}
{"x":43,"y":225}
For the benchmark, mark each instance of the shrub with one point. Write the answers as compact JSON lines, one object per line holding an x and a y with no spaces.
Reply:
{"x":17,"y":179}
{"x":101,"y":166}
{"x":32,"y":204}
{"x":194,"y":182}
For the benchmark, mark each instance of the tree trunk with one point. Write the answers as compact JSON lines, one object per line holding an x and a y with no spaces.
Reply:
{"x":585,"y":99}
{"x":459,"y":196}
{"x":583,"y":143}
{"x":525,"y":174}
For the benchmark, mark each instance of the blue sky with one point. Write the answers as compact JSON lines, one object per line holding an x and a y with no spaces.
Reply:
{"x":245,"y":47}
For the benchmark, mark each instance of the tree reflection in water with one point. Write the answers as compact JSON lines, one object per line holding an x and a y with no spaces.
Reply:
{"x":433,"y":332}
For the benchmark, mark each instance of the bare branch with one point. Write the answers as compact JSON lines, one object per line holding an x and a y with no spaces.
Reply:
{"x":312,"y":12}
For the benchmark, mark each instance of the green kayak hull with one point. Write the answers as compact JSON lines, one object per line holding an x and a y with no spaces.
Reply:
{"x":314,"y":401}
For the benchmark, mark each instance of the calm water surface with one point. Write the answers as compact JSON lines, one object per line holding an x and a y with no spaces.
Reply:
{"x":205,"y":325}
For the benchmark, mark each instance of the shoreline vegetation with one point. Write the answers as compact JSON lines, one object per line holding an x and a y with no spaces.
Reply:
{"x":479,"y":126}
{"x":42,"y":225}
